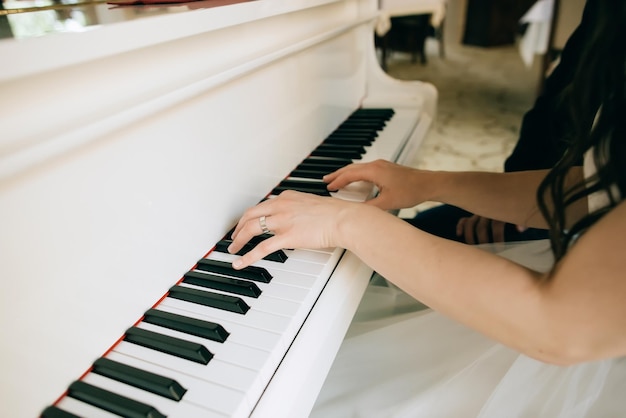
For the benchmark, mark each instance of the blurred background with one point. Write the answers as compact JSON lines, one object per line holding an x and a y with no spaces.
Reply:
{"x":486,"y":79}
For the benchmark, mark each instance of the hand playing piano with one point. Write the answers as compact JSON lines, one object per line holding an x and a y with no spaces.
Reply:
{"x":398,"y":186}
{"x":302,"y":220}
{"x":297,"y":220}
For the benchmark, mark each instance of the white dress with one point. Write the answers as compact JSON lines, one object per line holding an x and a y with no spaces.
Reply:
{"x":402,"y":359}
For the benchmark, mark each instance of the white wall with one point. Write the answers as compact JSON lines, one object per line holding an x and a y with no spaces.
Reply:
{"x":570,"y":13}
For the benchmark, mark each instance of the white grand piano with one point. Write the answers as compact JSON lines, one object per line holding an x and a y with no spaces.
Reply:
{"x":129,"y":149}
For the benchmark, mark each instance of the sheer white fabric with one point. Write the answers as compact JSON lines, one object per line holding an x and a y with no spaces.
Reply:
{"x":600,"y":198}
{"x":401,"y":359}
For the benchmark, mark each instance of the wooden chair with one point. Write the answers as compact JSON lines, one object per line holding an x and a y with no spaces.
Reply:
{"x":408,"y":34}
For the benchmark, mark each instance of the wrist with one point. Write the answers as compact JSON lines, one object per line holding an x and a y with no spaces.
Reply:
{"x":432,"y":185}
{"x":348,"y":223}
{"x":354,"y":223}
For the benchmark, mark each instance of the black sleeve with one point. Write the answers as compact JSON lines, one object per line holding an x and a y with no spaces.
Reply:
{"x":544,"y":127}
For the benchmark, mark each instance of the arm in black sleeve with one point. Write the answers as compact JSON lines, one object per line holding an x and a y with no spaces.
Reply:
{"x":545,"y":126}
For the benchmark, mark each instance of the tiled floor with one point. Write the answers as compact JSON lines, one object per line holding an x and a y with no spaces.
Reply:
{"x":483,"y":94}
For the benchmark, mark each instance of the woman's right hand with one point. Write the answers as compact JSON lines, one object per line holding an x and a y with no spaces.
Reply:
{"x":398,"y":186}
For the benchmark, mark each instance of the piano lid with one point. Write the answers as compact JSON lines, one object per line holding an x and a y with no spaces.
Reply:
{"x":67,"y":35}
{"x":23,"y":19}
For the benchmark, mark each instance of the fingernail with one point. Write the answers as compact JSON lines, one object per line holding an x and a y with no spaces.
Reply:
{"x":229,"y":250}
{"x":237,"y":263}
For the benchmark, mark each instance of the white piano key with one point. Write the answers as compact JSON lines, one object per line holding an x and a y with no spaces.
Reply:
{"x":286,"y":292}
{"x":289,"y":277}
{"x":293,"y":265}
{"x":83,"y":409}
{"x":299,"y":267}
{"x":228,"y":351}
{"x":355,"y":192}
{"x":281,"y":275}
{"x":274,"y":357}
{"x":156,"y":357}
{"x":255,"y":319}
{"x":281,"y":269}
{"x":388,"y":144}
{"x":263,"y":363}
{"x":199,"y":392}
{"x":293,"y":314}
{"x":312,"y":256}
{"x":245,"y":335}
{"x":216,"y":371}
{"x":263,"y":303}
{"x":329,"y":251}
{"x":168,"y":407}
{"x":273,"y":290}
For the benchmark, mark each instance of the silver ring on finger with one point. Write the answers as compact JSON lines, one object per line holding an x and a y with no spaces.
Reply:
{"x":263,"y":225}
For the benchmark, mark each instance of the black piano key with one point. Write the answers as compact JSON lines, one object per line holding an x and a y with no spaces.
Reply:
{"x":384,"y":113}
{"x":309,"y":174}
{"x":377,"y":117}
{"x":112,"y":402}
{"x":355,"y":133}
{"x":370,"y":116}
{"x":372,"y":133}
{"x":375,"y":124}
{"x":320,"y":170}
{"x":372,"y":112}
{"x":328,"y":162}
{"x":361,"y":125}
{"x":367,"y":119}
{"x":170,"y":345}
{"x":367,"y":134}
{"x":329,"y":165}
{"x":353,"y":155}
{"x":349,"y":133}
{"x":277,"y":256}
{"x":312,"y":190}
{"x":192,"y":326}
{"x":360,"y":149}
{"x":257,"y":239}
{"x":255,"y":273}
{"x":150,"y":382}
{"x":368,"y":129}
{"x":305,"y":184}
{"x":253,"y":241}
{"x":226,"y":284}
{"x":54,"y":412}
{"x":206,"y":298}
{"x":341,"y":140}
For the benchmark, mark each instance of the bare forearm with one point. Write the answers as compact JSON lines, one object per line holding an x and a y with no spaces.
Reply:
{"x":509,"y":197}
{"x":467,"y":284}
{"x":576,"y":315}
{"x":501,"y":299}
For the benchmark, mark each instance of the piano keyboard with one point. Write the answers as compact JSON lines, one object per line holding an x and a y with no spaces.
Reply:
{"x":210,"y":347}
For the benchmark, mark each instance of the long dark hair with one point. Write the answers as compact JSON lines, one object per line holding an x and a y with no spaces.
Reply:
{"x":597,"y":103}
